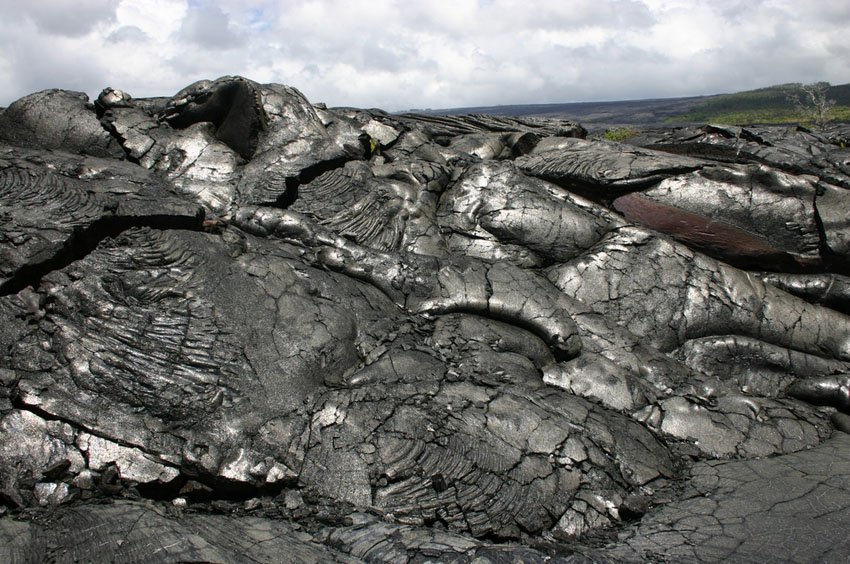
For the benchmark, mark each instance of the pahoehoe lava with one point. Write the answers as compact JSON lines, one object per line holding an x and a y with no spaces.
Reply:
{"x":238,"y":327}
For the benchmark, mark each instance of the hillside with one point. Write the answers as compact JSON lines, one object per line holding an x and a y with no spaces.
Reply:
{"x":764,"y":105}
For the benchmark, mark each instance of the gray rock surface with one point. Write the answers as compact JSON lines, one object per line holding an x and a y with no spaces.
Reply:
{"x":792,"y":149}
{"x":270,"y":331}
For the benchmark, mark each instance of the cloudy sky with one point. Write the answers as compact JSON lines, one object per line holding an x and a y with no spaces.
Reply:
{"x":401,"y":54}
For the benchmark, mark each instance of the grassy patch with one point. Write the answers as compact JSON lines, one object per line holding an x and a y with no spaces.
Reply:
{"x":620,"y":134}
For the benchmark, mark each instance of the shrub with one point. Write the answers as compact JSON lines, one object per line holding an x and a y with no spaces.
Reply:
{"x":620,"y":133}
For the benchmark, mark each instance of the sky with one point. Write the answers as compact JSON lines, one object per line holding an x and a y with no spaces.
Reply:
{"x":406,"y":54}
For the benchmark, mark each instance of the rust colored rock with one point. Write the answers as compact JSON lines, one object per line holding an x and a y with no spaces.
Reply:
{"x":717,"y":238}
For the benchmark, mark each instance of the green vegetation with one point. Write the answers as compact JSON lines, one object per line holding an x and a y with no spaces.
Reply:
{"x":763,"y":116}
{"x":620,"y":133}
{"x":772,"y":105}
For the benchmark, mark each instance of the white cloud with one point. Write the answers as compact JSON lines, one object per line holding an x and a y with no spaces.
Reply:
{"x":58,"y":17}
{"x":208,"y":27}
{"x":129,"y":34}
{"x":400,"y":54}
{"x":159,"y":19}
